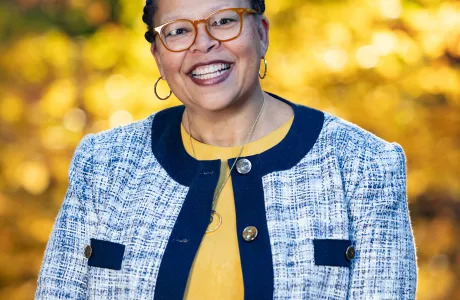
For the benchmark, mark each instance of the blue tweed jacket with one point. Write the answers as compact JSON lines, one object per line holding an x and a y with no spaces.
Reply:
{"x":143,"y":205}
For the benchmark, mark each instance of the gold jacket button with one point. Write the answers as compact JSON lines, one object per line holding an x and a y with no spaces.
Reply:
{"x":350,"y":253}
{"x":250,"y":233}
{"x":88,"y":251}
{"x":243,"y":166}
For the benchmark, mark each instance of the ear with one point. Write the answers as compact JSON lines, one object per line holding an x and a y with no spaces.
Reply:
{"x":157,"y":56}
{"x":263,"y":30}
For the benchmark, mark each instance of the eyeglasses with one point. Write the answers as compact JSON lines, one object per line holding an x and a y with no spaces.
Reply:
{"x":223,"y":25}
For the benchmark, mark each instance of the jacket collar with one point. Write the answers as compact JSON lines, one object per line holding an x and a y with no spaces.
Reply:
{"x":170,"y":152}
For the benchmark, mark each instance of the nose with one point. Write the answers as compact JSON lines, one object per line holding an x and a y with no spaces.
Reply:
{"x":203,"y":42}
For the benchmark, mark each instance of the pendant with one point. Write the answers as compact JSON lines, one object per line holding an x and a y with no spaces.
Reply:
{"x":220,"y":221}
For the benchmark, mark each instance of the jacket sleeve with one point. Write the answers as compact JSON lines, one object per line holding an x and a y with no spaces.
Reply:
{"x":63,"y":273}
{"x":385,"y":263}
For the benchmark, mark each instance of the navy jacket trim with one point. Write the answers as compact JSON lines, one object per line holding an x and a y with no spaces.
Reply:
{"x":105,"y":254}
{"x":331,"y":252}
{"x":170,"y":152}
{"x":256,"y":255}
{"x":201,"y":177}
{"x":187,"y":234}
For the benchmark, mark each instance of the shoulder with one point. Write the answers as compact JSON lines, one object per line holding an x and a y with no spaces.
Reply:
{"x":350,"y":137}
{"x":127,"y":143}
{"x":98,"y":153}
{"x":358,"y":153}
{"x":131,"y":135}
{"x":127,"y":137}
{"x":113,"y":141}
{"x":102,"y":154}
{"x":360,"y":156}
{"x":352,"y":142}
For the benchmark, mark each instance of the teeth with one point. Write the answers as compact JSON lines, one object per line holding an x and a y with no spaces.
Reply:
{"x":212,"y":75}
{"x":202,"y":70}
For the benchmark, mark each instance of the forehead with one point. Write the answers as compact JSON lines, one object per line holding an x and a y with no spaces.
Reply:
{"x":168,"y":10}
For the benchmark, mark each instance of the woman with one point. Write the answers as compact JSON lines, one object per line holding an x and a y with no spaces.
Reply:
{"x":236,"y":194}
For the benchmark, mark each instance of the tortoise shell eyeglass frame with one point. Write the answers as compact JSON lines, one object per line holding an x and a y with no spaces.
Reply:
{"x":239,"y":11}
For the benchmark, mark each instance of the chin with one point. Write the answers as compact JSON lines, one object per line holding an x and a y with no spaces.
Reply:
{"x":215,"y":103}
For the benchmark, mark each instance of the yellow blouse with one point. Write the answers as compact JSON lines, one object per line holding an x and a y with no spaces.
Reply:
{"x":216,"y":271}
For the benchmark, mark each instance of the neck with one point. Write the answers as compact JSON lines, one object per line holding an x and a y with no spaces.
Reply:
{"x":230,"y":126}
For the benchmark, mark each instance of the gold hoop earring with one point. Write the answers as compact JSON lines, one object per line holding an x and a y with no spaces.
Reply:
{"x":156,"y":93}
{"x":265,"y":69}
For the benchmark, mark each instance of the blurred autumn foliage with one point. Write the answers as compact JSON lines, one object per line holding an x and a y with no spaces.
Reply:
{"x":69,"y":67}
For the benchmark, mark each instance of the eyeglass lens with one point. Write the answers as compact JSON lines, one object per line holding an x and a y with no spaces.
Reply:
{"x":180,"y":34}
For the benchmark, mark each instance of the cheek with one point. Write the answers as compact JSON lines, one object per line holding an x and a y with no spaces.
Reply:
{"x":171,"y":64}
{"x":248,"y":46}
{"x":248,"y":54}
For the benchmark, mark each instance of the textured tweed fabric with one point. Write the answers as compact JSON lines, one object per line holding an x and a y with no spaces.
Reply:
{"x":350,"y":185}
{"x":350,"y":173}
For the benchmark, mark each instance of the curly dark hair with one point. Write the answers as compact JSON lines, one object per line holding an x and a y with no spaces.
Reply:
{"x":150,"y":9}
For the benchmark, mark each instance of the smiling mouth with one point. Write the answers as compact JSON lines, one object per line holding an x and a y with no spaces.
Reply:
{"x":210,"y":71}
{"x":211,"y":74}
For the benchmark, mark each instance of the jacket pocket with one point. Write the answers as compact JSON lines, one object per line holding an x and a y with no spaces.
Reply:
{"x":105,"y":254}
{"x":333,"y":252}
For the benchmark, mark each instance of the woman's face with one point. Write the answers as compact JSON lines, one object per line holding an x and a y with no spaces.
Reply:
{"x":242,"y":55}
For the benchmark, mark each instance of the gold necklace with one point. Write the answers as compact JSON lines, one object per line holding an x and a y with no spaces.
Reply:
{"x":216,"y":196}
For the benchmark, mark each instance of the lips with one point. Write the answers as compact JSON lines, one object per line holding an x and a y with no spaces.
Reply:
{"x":218,"y":76}
{"x":207,"y":63}
{"x":209,"y":70}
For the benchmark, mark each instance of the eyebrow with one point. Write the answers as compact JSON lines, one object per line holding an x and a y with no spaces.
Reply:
{"x":210,"y":11}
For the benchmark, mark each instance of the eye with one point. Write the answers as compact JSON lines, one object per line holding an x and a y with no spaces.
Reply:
{"x":223,"y":21}
{"x":176,"y":32}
